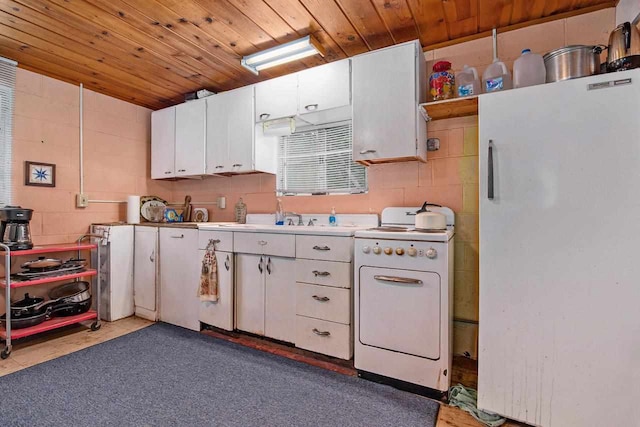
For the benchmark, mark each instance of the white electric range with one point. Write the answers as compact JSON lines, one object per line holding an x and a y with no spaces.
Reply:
{"x":404,"y":300}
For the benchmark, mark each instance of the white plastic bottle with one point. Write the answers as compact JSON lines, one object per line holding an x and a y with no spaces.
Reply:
{"x":279,"y":213}
{"x":529,"y":69}
{"x":332,"y":217}
{"x":496,"y":77}
{"x":467,"y":82}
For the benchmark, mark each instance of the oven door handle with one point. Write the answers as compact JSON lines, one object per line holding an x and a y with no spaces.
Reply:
{"x":396,"y":279}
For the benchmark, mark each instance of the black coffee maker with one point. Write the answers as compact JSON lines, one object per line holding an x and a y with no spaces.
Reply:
{"x":14,"y":227}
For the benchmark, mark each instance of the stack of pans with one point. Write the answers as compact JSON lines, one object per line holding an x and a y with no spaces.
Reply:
{"x":65,"y":300}
{"x":46,"y":267}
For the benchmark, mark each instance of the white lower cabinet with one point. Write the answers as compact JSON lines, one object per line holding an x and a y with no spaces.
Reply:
{"x":265,"y":296}
{"x":324,"y":295}
{"x":250,"y":293}
{"x":280,"y":298}
{"x":145,"y":272}
{"x":220,"y":313}
{"x":179,"y":277}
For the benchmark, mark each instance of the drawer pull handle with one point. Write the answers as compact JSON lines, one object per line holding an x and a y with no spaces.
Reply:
{"x":321,"y":333}
{"x":237,"y":165}
{"x":264,"y":116}
{"x":262,"y":242}
{"x":178,"y":237}
{"x":322,"y":248}
{"x":152,"y":257}
{"x":311,"y":107}
{"x":367,"y":151}
{"x":219,"y":166}
{"x":182,"y":170}
{"x":269,"y":266}
{"x":226,"y":263}
{"x":321,"y":273}
{"x":396,"y":279}
{"x":321,"y":299}
{"x":167,"y":172}
{"x":260,"y":265}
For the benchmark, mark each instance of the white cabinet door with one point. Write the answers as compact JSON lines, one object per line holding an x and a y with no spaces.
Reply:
{"x":220,"y":313}
{"x":250,"y":293}
{"x":324,"y":87}
{"x":217,"y":133}
{"x":144,"y":270}
{"x":277,"y":98}
{"x":385,"y":104}
{"x":280,"y":298}
{"x":179,"y":277}
{"x":241,"y":130}
{"x":163,"y":137}
{"x":190,"y":138}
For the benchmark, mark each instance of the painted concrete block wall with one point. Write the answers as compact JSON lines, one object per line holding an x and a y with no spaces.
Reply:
{"x":117,"y":155}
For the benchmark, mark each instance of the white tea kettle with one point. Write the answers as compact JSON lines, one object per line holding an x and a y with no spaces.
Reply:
{"x":429,"y":220}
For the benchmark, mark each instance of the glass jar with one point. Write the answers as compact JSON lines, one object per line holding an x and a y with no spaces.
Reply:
{"x":442,"y":81}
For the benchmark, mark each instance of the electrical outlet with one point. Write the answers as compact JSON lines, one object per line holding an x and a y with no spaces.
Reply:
{"x":82,"y":201}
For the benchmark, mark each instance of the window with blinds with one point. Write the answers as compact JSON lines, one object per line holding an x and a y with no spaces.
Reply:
{"x":7,"y":89}
{"x":319,"y":161}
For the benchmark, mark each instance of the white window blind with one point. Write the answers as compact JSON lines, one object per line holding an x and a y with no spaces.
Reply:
{"x":319,"y":161}
{"x":7,"y":89}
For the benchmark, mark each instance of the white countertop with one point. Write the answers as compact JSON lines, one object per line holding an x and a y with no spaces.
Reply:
{"x":316,"y":230}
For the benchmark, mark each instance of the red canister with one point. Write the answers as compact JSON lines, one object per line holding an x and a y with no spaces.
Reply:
{"x":442,"y":81}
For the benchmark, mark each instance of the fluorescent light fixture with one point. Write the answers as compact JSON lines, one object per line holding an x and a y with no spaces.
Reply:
{"x":297,"y":49}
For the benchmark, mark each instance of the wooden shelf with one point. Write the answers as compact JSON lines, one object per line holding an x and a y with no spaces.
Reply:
{"x":450,"y":108}
{"x":45,"y":249}
{"x":49,"y":279}
{"x":55,"y":323}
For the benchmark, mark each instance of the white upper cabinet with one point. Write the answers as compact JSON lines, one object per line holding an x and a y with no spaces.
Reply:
{"x":163,"y":133}
{"x":277,"y":98}
{"x":231,"y":136}
{"x":323,"y":88}
{"x":388,"y":85}
{"x":190,"y":138}
{"x":309,"y":94}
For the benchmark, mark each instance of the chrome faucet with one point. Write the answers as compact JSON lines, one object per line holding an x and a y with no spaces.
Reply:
{"x":300,"y":222}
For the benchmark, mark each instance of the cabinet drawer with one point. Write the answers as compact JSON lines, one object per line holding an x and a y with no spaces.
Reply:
{"x":333,"y":339}
{"x":282,"y":245}
{"x":225,"y":244}
{"x":327,"y":273}
{"x":329,"y":248}
{"x":323,"y":302}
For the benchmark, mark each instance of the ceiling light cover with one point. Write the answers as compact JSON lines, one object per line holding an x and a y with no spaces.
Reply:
{"x":297,"y":49}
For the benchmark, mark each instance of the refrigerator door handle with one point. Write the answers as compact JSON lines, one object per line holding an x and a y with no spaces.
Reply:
{"x":490,"y":171}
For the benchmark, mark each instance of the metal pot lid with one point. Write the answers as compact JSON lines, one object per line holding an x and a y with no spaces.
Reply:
{"x":42,"y":262}
{"x":27,"y":301}
{"x":572,"y":48}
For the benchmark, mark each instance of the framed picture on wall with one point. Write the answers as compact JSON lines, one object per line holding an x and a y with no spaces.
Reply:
{"x":39,"y":174}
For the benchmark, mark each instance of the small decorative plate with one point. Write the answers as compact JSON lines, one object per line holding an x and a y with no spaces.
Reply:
{"x":200,"y":215}
{"x":146,"y":202}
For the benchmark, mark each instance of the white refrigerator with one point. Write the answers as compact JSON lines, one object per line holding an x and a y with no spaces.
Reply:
{"x":560,"y":252}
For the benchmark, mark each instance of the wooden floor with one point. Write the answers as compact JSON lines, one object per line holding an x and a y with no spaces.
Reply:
{"x":35,"y":350}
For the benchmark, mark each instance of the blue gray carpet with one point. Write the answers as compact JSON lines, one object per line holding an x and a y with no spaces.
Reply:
{"x":168,"y":376}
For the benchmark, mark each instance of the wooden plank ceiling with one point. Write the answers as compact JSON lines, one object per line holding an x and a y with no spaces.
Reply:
{"x":152,"y":52}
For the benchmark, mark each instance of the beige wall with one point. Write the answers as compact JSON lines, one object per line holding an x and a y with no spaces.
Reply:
{"x":46,"y":129}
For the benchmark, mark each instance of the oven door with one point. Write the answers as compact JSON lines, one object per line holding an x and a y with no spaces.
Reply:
{"x":400,"y":311}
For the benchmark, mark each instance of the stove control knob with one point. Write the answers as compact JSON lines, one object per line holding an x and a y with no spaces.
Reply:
{"x":412,"y":252}
{"x":388,"y":251}
{"x":431,"y":253}
{"x":366,"y":249}
{"x":377,"y":250}
{"x":400,"y":251}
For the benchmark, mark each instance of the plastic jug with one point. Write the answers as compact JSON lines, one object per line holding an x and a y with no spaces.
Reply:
{"x":496,"y":77}
{"x":468,"y":82}
{"x":529,"y":69}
